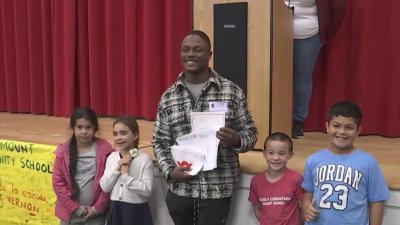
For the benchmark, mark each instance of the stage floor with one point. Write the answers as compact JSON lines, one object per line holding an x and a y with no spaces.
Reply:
{"x":55,"y":130}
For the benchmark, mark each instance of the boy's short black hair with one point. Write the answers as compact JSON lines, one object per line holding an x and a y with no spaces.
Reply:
{"x":279,"y":136}
{"x":346,"y":109}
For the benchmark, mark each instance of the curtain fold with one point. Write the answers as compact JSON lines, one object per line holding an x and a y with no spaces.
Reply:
{"x":64,"y":56}
{"x":130,"y":84}
{"x":35,"y":70}
{"x":3,"y":95}
{"x":115,"y":56}
{"x":47,"y":42}
{"x":21,"y":57}
{"x":9,"y":56}
{"x":362,"y":63}
{"x":98,"y":55}
{"x":150,"y":54}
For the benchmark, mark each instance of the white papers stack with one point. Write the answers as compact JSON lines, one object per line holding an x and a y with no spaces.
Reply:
{"x":205,"y":140}
{"x":200,"y":147}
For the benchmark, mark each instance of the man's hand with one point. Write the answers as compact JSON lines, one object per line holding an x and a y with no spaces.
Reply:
{"x":179,"y":173}
{"x":229,"y":137}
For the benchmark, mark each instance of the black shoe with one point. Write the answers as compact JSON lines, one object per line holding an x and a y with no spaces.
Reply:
{"x":297,"y":129}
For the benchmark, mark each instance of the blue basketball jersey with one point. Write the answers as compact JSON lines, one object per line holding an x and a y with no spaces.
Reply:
{"x":343,"y":185}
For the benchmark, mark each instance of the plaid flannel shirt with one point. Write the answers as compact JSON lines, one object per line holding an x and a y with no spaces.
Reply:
{"x":173,"y":121}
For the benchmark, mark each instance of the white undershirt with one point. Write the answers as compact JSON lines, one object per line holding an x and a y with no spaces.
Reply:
{"x":305,"y":20}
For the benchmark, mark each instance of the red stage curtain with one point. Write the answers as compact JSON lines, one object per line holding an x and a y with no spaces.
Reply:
{"x":124,"y":56}
{"x":115,"y":56}
{"x":362,"y":63}
{"x":64,"y":56}
{"x":25,"y":50}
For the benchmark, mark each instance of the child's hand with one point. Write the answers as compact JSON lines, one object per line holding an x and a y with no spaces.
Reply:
{"x":310,"y":212}
{"x":91,"y":212}
{"x":126,"y":160}
{"x":84,"y":212}
{"x":124,"y":169}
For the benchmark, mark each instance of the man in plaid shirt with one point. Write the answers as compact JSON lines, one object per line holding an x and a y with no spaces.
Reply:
{"x":203,"y":199}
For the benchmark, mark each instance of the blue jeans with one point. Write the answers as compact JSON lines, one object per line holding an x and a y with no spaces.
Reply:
{"x":305,"y":53}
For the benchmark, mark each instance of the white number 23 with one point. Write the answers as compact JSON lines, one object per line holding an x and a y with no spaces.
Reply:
{"x":341,"y":204}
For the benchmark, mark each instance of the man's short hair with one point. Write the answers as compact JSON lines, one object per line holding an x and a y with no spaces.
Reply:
{"x":202,"y":35}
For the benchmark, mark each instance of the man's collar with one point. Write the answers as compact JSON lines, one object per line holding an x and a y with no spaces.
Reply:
{"x":213,"y":79}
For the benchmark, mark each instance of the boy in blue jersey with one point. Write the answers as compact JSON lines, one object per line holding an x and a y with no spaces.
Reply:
{"x":343,"y":184}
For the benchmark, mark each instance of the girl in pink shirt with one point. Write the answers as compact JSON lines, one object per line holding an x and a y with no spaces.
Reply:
{"x":78,"y":167}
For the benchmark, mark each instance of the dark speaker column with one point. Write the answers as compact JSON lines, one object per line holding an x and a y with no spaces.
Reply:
{"x":230,"y":42}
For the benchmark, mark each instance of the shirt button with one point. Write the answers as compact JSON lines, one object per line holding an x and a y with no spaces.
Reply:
{"x":121,"y":185}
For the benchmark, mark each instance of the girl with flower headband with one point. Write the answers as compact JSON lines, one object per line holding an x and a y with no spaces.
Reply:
{"x":128,"y":176}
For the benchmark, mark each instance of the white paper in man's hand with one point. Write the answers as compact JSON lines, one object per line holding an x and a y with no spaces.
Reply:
{"x":210,"y":123}
{"x":214,"y":120}
{"x":204,"y":137}
{"x":190,"y":156}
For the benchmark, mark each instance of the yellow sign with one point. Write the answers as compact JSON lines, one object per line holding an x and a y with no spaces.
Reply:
{"x":26,"y":191}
